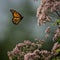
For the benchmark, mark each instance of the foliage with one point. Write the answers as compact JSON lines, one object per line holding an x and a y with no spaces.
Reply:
{"x":57,"y":22}
{"x":58,"y":40}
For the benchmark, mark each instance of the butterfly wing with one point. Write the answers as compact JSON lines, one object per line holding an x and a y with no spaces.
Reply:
{"x":17,"y":17}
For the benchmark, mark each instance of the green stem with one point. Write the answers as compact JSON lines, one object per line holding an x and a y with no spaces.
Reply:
{"x":57,"y":13}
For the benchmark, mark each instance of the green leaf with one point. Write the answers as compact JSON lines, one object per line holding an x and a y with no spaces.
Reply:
{"x":54,"y":59}
{"x":58,"y":50}
{"x":54,"y":24}
{"x":58,"y":40}
{"x":58,"y":21}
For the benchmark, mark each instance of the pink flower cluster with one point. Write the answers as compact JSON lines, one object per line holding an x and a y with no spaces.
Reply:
{"x":47,"y":31}
{"x":32,"y":56}
{"x":55,"y":47}
{"x":23,"y":48}
{"x":19,"y":52}
{"x":43,"y":54}
{"x":44,"y":8}
{"x":57,"y":34}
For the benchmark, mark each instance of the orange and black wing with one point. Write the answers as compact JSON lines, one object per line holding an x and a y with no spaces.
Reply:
{"x":17,"y":17}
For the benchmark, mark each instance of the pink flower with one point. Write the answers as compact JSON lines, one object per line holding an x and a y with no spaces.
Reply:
{"x":29,"y":56}
{"x":47,"y":35}
{"x":27,"y":42}
{"x":20,"y":45}
{"x":47,"y":30}
{"x":42,"y":11}
{"x":57,"y":34}
{"x":16,"y":50}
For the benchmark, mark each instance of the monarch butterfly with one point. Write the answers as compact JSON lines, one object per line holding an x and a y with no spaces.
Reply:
{"x":17,"y":17}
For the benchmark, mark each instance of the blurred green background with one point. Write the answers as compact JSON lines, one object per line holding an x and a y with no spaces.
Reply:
{"x":28,"y":29}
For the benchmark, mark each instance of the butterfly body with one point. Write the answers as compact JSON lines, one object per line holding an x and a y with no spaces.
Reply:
{"x":17,"y":17}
